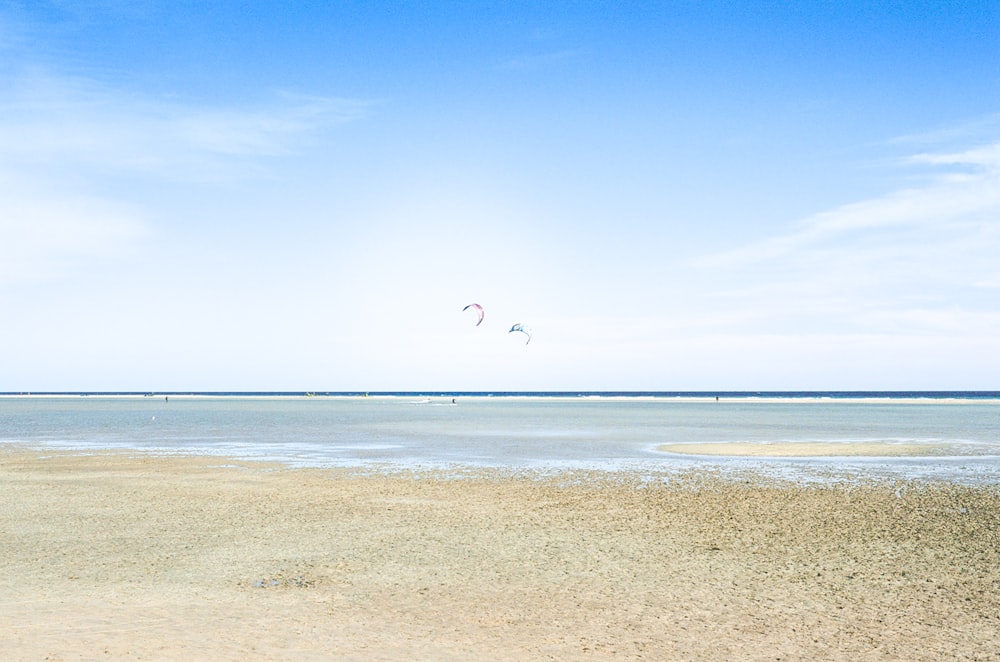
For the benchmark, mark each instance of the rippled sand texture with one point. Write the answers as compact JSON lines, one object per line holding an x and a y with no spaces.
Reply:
{"x":115,"y":557}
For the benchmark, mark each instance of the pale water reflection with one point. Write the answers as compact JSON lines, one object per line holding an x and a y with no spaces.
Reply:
{"x":954,"y":439}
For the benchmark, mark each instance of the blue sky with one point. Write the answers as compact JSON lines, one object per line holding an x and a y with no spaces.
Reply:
{"x":675,"y":196}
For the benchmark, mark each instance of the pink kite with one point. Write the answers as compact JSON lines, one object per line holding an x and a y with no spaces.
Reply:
{"x":479,"y":311}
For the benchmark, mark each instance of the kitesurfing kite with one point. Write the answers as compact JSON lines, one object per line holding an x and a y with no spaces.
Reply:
{"x":479,"y":311}
{"x":522,"y":329}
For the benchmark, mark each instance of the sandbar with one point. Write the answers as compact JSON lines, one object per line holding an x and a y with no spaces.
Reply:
{"x":118,"y":556}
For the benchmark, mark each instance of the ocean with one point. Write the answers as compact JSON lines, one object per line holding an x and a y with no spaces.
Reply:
{"x":527,"y":432}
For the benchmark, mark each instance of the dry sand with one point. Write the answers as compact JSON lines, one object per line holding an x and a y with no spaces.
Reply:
{"x":111,"y":556}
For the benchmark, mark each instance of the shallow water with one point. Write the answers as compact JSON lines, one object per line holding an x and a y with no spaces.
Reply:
{"x":521,"y":433}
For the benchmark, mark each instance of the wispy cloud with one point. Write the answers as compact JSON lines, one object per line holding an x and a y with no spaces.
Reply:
{"x":260,"y":132}
{"x":978,"y":129}
{"x":960,"y":201}
{"x":953,"y":200}
{"x":986,"y":158}
{"x":918,"y":260}
{"x":57,"y":119}
{"x":60,"y":137}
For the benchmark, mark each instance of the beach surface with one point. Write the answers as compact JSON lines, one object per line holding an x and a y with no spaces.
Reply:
{"x":117,"y":556}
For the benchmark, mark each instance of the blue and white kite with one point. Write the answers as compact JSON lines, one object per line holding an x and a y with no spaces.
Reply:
{"x":522,"y":329}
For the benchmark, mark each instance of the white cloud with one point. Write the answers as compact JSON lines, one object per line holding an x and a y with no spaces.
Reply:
{"x":261,"y":132}
{"x":49,"y":119}
{"x":978,"y":129}
{"x":62,"y":137}
{"x":986,"y":157}
{"x":955,"y":201}
{"x":913,"y":262}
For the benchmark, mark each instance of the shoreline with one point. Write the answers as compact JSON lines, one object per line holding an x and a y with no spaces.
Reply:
{"x":136,"y":556}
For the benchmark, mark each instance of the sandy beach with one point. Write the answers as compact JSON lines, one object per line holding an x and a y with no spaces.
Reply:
{"x":132,"y":557}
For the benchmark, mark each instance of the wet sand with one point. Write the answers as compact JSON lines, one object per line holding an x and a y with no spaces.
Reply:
{"x":116,"y":556}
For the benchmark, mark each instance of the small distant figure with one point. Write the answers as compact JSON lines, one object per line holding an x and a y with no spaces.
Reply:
{"x":716,"y":398}
{"x":166,"y":398}
{"x":453,"y":401}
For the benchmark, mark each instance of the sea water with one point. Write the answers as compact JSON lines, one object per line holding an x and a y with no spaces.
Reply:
{"x":525,"y":432}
